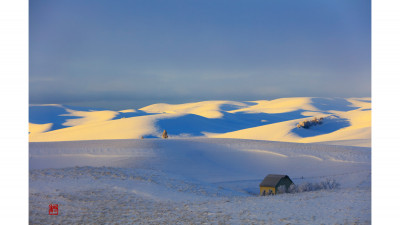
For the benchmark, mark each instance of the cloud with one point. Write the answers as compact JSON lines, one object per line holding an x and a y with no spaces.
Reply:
{"x":178,"y":52}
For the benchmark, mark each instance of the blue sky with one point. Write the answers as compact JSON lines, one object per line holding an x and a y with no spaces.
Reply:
{"x":129,"y":54}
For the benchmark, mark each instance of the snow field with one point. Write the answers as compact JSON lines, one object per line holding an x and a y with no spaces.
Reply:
{"x":111,"y":200}
{"x":195,"y":181}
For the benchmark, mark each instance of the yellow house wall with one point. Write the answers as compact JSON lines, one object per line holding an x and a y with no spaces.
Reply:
{"x":267,"y":190}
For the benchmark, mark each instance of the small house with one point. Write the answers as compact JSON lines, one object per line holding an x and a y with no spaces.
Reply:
{"x":272,"y":182}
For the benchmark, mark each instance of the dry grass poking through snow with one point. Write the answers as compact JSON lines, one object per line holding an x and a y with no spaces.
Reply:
{"x":89,"y":195}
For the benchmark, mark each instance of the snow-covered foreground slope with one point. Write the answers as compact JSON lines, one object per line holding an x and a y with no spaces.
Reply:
{"x":347,"y":121}
{"x":193,"y":181}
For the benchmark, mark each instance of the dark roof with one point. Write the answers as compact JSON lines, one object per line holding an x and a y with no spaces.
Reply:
{"x":272,"y":180}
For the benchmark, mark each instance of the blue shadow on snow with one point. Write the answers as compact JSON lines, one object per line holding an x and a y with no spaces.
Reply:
{"x":49,"y":114}
{"x":131,"y":114}
{"x":329,"y":125}
{"x":194,"y":125}
{"x":338,"y":104}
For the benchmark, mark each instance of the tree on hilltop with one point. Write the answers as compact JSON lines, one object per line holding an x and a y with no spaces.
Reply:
{"x":165,"y":134}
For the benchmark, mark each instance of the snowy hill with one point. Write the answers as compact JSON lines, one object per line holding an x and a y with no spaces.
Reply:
{"x":347,"y":121}
{"x":93,"y":164}
{"x":196,"y":181}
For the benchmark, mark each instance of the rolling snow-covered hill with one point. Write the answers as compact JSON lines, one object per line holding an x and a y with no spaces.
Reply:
{"x":94,"y":165}
{"x":196,"y":181}
{"x":347,"y":121}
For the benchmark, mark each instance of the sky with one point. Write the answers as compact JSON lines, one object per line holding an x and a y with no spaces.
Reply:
{"x":129,"y":53}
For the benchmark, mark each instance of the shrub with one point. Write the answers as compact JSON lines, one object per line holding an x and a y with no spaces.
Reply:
{"x":305,"y":187}
{"x":309,"y":123}
{"x":327,"y":184}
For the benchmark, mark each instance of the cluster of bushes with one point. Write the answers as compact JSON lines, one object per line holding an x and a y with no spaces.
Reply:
{"x":309,"y":123}
{"x":327,"y":184}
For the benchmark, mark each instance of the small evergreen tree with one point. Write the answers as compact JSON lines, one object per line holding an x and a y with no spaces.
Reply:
{"x":164,"y":134}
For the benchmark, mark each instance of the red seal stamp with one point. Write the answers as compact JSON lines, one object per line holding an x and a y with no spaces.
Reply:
{"x":53,"y":209}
